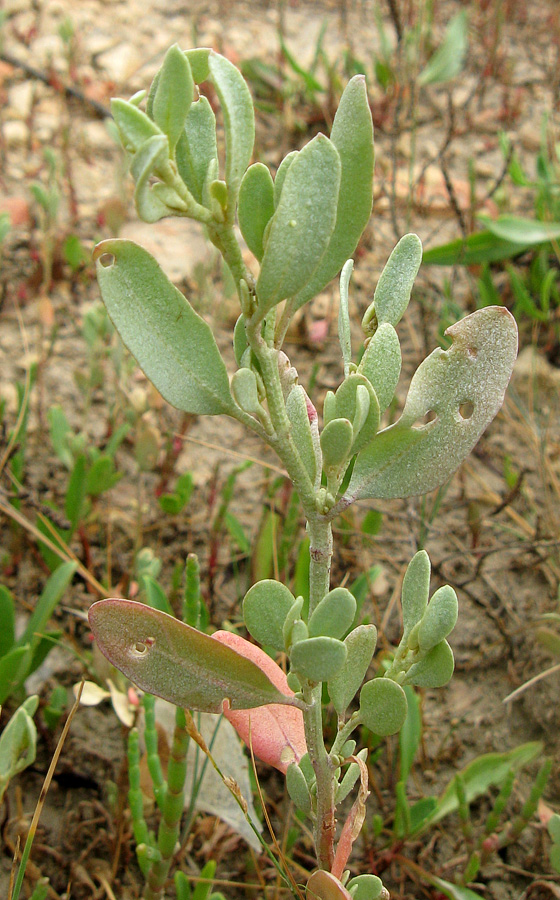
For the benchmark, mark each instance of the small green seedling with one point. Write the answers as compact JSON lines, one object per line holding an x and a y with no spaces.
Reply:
{"x":19,"y":657}
{"x":302,"y":227}
{"x":18,"y":743}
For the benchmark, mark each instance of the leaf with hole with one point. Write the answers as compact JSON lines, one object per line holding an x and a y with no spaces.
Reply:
{"x":301,"y":227}
{"x":464,"y":386}
{"x":171,"y":343}
{"x":176,"y":662}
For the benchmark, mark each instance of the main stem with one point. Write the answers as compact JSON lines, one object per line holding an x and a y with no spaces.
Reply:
{"x":321,"y":549}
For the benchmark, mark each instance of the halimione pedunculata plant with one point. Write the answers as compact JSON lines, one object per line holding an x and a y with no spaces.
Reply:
{"x":302,"y":227}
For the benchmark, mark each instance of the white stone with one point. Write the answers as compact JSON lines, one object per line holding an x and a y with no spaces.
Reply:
{"x":120,"y":62}
{"x":15,"y":133}
{"x":20,"y":98}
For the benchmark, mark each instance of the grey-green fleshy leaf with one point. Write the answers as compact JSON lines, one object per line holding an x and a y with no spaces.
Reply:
{"x":198,"y":58}
{"x":281,"y":173}
{"x":318,"y":658}
{"x":134,"y":126}
{"x":297,"y":788}
{"x":153,"y":154}
{"x":440,"y":618}
{"x":435,"y":669}
{"x":415,"y":590}
{"x":255,"y":206}
{"x":365,"y":887}
{"x":360,"y":645}
{"x":383,"y":706}
{"x":292,"y":617}
{"x":392,"y":294}
{"x":343,"y":318}
{"x":265,"y":608}
{"x":346,"y":407}
{"x":239,"y":120}
{"x":302,"y":224}
{"x":336,"y":443}
{"x":171,"y":343}
{"x":352,"y":135}
{"x":296,"y":409}
{"x":464,"y":386}
{"x":174,"y":95}
{"x":240,"y":344}
{"x":381,"y":364}
{"x":176,"y":662}
{"x":334,"y":614}
{"x":245,"y":391}
{"x":197,"y":146}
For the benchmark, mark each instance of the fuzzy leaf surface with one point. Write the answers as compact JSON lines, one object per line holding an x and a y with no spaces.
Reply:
{"x":256,"y":206}
{"x":302,"y":224}
{"x":197,"y":146}
{"x":172,"y":344}
{"x":174,"y":94}
{"x":352,"y":135}
{"x":410,"y":457}
{"x":176,"y":662}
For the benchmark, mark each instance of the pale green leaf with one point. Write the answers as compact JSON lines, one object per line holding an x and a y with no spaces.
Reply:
{"x":297,"y":788}
{"x":197,"y":146}
{"x":256,"y":206}
{"x":440,"y":618}
{"x":171,"y":343}
{"x":392,"y":294}
{"x":176,"y":662}
{"x":449,"y":58}
{"x":415,"y":590}
{"x":281,"y":175}
{"x":383,"y":706}
{"x":365,"y":887}
{"x":134,"y":126}
{"x":381,"y":364}
{"x":239,"y":120}
{"x":464,"y":387}
{"x":488,"y":770}
{"x":302,"y":225}
{"x":435,"y":669}
{"x":526,"y":232}
{"x":318,"y":658}
{"x":174,"y":95}
{"x":347,"y":408}
{"x":352,"y":135}
{"x":151,"y":155}
{"x":360,"y":646}
{"x":344,"y":335}
{"x":333,"y":615}
{"x":336,"y":443}
{"x":296,"y":409}
{"x":265,"y":608}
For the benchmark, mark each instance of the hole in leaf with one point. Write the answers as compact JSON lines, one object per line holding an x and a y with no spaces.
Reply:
{"x":466,"y":409}
{"x":141,"y":648}
{"x":106,"y":260}
{"x":427,"y":419}
{"x":472,"y":352}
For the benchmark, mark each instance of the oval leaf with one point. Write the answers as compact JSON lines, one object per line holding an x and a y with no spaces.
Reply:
{"x":334,"y":615}
{"x":256,"y":206}
{"x":265,"y":608}
{"x":324,"y":886}
{"x":197,"y":146}
{"x":392,"y":294}
{"x":435,"y":669}
{"x":239,"y":120}
{"x":318,"y":658}
{"x":464,"y":386}
{"x":275,"y":733}
{"x":297,"y":410}
{"x":383,"y":706}
{"x":415,"y":590}
{"x":352,"y":135}
{"x":173,"y":95}
{"x":381,"y":364}
{"x":360,"y":645}
{"x":172,"y":344}
{"x":176,"y":662}
{"x":440,"y":618}
{"x":302,"y":224}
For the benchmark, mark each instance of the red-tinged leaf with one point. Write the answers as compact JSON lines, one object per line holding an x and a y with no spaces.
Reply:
{"x":354,"y":822}
{"x":176,"y":662}
{"x":324,"y":886}
{"x":275,"y":732}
